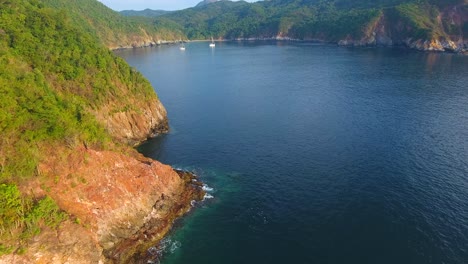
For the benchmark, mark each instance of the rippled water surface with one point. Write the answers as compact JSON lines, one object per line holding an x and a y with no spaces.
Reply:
{"x":316,"y":154}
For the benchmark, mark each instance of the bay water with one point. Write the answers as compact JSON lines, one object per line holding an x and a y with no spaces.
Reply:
{"x":314,"y":153}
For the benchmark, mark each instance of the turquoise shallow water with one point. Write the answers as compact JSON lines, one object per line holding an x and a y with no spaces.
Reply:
{"x":315,"y":153}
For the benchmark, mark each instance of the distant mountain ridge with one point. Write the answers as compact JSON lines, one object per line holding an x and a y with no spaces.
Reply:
{"x":145,"y":13}
{"x":206,"y":2}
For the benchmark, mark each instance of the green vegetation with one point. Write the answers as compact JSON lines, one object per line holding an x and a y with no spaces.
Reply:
{"x":51,"y":75}
{"x":329,"y":20}
{"x":55,"y":75}
{"x":22,"y":217}
{"x":144,"y":13}
{"x":112,"y":28}
{"x":38,"y":105}
{"x":421,"y":18}
{"x":334,"y":25}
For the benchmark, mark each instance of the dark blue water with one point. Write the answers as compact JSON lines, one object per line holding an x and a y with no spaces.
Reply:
{"x":317,"y":154}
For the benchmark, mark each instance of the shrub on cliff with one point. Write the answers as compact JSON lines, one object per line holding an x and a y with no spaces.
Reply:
{"x":21,"y":217}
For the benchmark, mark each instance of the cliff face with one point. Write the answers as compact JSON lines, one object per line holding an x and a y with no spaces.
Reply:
{"x":68,"y":110}
{"x":121,"y":204}
{"x":141,"y":39}
{"x":448,"y":32}
{"x":132,"y":126}
{"x":138,"y":42}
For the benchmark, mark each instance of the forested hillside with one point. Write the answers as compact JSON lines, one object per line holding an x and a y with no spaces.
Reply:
{"x":112,"y":28}
{"x":60,"y":89}
{"x":360,"y":22}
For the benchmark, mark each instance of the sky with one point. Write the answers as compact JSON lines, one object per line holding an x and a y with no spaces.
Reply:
{"x":120,"y":5}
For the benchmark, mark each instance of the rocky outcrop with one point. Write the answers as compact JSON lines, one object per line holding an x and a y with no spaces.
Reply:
{"x":389,"y":31}
{"x":140,"y":39}
{"x":116,"y":201}
{"x":440,"y":44}
{"x":434,"y":45}
{"x":140,"y":43}
{"x":134,"y":125}
{"x":121,"y":204}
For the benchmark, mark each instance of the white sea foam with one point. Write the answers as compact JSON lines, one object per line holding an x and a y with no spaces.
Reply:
{"x":174,"y":246}
{"x":192,"y":203}
{"x":207,"y":188}
{"x":166,"y":245}
{"x":153,"y":251}
{"x":207,"y":196}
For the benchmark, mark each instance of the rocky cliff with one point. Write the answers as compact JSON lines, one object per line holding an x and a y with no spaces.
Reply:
{"x":139,"y":42}
{"x":70,"y":112}
{"x":145,"y":119}
{"x":446,"y":32}
{"x":120,"y":205}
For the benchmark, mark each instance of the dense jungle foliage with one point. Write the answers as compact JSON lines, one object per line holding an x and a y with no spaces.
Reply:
{"x":329,"y":20}
{"x":54,"y":74}
{"x":144,"y":13}
{"x":109,"y":26}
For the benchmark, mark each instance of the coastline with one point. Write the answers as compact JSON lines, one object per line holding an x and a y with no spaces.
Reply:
{"x":145,"y":44}
{"x":433,"y":45}
{"x":136,"y":248}
{"x":120,"y":204}
{"x":424,"y":45}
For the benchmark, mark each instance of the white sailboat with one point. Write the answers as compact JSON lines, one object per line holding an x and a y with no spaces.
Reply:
{"x":182,"y":47}
{"x":212,"y":44}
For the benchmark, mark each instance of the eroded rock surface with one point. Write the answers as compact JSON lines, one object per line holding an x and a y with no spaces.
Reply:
{"x":121,"y":204}
{"x":385,"y":31}
{"x":132,"y":126}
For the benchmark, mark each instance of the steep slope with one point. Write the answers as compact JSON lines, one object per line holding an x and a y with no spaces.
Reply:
{"x":422,"y":26}
{"x":426,"y":25}
{"x":114,"y":29}
{"x":58,"y":84}
{"x":220,"y":19}
{"x":68,"y":110}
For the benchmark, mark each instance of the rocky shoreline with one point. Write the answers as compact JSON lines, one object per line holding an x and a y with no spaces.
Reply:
{"x":442,"y":45}
{"x":120,"y":205}
{"x":136,"y":248}
{"x":374,"y":39}
{"x":437,"y":45}
{"x":433,"y":45}
{"x":145,"y":44}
